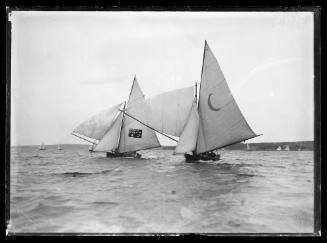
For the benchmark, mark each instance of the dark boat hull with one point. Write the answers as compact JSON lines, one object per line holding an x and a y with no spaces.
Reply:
{"x":123,"y":155}
{"x":205,"y":157}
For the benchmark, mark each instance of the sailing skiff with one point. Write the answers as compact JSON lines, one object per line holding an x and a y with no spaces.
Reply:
{"x":124,"y":129}
{"x":203,"y":124}
{"x":216,"y":121}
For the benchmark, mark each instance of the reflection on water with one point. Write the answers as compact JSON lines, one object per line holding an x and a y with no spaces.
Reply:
{"x":73,"y":191}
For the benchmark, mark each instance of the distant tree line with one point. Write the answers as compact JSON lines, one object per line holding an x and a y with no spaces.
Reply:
{"x":293,"y":146}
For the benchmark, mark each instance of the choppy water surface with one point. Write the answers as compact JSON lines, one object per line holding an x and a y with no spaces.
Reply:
{"x":72,"y":190}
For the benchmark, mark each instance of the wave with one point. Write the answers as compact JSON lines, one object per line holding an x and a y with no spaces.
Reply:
{"x":50,"y":210}
{"x":76,"y":174}
{"x":278,"y":166}
{"x":245,"y":175}
{"x":105,"y":203}
{"x":248,"y":175}
{"x":82,"y":174}
{"x":35,"y":156}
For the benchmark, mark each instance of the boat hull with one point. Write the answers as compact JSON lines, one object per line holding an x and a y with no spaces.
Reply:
{"x":205,"y":157}
{"x":123,"y":155}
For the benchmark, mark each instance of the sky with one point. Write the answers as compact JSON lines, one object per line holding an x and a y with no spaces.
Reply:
{"x":68,"y":66}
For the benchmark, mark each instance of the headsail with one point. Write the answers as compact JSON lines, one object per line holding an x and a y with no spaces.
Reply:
{"x":134,"y":135}
{"x":110,"y":141}
{"x":188,"y":138}
{"x":221,"y":121}
{"x":96,"y":126}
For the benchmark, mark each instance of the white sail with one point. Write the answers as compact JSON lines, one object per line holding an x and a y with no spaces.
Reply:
{"x":187,"y":140}
{"x":136,"y":93}
{"x":96,"y":126}
{"x":42,"y":147}
{"x":110,"y":140}
{"x":169,"y":110}
{"x":134,"y":135}
{"x":221,"y":121}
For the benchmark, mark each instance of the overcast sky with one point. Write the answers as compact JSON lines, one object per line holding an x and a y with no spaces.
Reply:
{"x":67,"y":66}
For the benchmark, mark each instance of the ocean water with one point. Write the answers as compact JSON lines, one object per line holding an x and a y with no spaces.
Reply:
{"x":71,"y":190}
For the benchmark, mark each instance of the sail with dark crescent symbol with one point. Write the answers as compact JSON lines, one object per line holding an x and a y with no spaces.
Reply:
{"x":220,"y":120}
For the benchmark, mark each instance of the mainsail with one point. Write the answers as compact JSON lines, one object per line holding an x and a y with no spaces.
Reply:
{"x":96,"y":126}
{"x":134,"y":135}
{"x":221,"y":122}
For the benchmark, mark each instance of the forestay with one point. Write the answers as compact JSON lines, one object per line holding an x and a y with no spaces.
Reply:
{"x":96,"y":126}
{"x":188,"y":138}
{"x":134,"y":135}
{"x":221,"y":122}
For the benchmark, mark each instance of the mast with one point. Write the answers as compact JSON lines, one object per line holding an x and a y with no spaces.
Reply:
{"x":196,"y":91}
{"x":122,"y":123}
{"x":196,"y":103}
{"x":123,"y":118}
{"x":204,"y":53}
{"x":201,"y":127}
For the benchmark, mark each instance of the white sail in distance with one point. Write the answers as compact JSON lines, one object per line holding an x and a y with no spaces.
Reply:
{"x":221,"y":122}
{"x":188,"y":138}
{"x":134,"y":135}
{"x":96,"y":126}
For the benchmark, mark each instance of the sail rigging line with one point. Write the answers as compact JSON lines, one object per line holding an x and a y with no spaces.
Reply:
{"x":83,"y":138}
{"x":148,"y":125}
{"x":234,"y":143}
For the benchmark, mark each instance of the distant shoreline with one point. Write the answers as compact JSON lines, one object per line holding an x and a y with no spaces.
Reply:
{"x":265,"y":146}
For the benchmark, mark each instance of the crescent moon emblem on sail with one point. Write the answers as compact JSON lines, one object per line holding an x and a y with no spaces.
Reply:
{"x":210,"y":105}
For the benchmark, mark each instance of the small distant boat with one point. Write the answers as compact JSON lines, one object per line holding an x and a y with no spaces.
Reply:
{"x":59,"y":148}
{"x":42,"y":147}
{"x":248,"y":147}
{"x":91,"y":148}
{"x":287,"y":148}
{"x":279,"y":148}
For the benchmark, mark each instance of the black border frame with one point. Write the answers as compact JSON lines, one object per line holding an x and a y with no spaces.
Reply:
{"x":317,"y":103}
